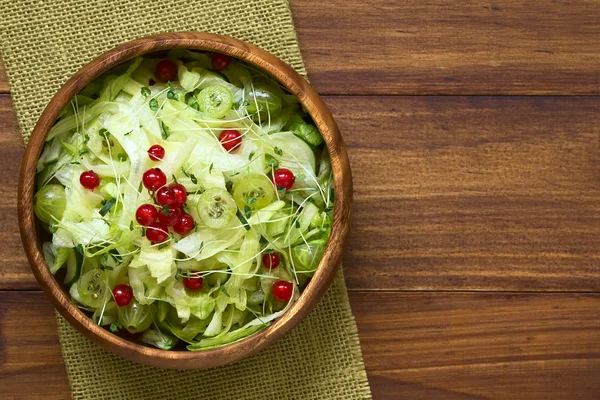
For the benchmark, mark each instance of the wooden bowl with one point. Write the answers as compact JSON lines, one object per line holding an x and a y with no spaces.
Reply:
{"x":341,"y":221}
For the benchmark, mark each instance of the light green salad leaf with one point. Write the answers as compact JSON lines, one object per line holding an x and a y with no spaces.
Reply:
{"x":187,"y":268}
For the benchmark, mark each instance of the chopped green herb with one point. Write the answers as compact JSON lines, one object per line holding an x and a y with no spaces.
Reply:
{"x":194,"y":179}
{"x":131,"y":226}
{"x":247,"y":211}
{"x":146,"y":91}
{"x":106,"y":208}
{"x":210,"y":168}
{"x":242,"y":220}
{"x":163,"y":245}
{"x":115,"y":327}
{"x":165,"y":210}
{"x":300,"y":177}
{"x":165,"y":131}
{"x":271,"y":161}
{"x":224,"y":290}
{"x":192,"y":102}
{"x":251,"y":200}
{"x":122,"y":157}
{"x":116,"y":255}
{"x":172,"y":95}
{"x":278,"y":151}
{"x":153,"y":104}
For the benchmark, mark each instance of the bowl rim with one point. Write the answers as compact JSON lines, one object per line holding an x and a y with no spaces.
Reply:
{"x":322,"y":278}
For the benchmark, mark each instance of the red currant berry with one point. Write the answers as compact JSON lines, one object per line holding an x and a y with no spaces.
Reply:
{"x":157,"y":233}
{"x":284,"y":178}
{"x":89,"y":180}
{"x":154,"y":179}
{"x":165,"y":196}
{"x":283,"y":290}
{"x":230,"y":139}
{"x":180,"y":194}
{"x":166,"y":70}
{"x":171,"y":218}
{"x":184,"y":225}
{"x":271,"y":260}
{"x":122,"y":295}
{"x":193,"y":284}
{"x":146,"y":214}
{"x":220,"y":61}
{"x":156,"y":152}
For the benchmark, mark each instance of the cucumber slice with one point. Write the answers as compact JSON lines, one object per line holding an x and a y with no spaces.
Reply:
{"x":74,"y":264}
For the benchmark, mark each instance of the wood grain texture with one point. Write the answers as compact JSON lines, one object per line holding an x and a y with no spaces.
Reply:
{"x":480,"y":346}
{"x":468,"y":193}
{"x":416,"y":346}
{"x":441,"y":47}
{"x":15,"y":272}
{"x":477,"y":193}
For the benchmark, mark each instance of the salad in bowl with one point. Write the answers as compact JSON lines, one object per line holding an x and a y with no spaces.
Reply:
{"x":188,"y":199}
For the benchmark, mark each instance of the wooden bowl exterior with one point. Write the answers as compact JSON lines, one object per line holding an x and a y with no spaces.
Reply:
{"x":342,"y":212}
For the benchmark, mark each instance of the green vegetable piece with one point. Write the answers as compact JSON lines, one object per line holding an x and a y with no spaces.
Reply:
{"x":253,"y":190}
{"x":164,"y":131}
{"x":113,"y":88}
{"x":191,"y":101}
{"x":172,"y":95}
{"x":106,"y":208}
{"x":216,"y":207}
{"x":262,"y":100}
{"x":74,"y":266}
{"x":310,"y":134}
{"x":153,"y":104}
{"x":136,"y":317}
{"x":305,"y":131}
{"x":146,"y":91}
{"x":215,"y":101}
{"x":55,"y":257}
{"x":93,"y":288}
{"x":49,"y":203}
{"x":159,"y":339}
{"x":306,"y":257}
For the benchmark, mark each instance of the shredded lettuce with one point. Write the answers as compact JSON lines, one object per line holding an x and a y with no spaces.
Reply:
{"x":205,"y":287}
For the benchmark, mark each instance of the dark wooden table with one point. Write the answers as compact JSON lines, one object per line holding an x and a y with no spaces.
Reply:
{"x":473,"y":130}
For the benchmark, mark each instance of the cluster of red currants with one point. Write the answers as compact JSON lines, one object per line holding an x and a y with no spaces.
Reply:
{"x":169,"y":208}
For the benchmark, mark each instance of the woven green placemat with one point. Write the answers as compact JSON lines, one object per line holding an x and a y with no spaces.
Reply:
{"x":43,"y":43}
